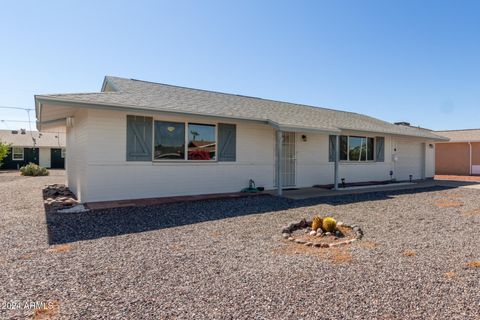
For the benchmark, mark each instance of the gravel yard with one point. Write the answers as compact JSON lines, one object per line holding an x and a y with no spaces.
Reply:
{"x":226,"y":259}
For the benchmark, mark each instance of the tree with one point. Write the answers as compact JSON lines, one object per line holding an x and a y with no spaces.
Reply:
{"x":194,"y":134}
{"x":4,"y":149}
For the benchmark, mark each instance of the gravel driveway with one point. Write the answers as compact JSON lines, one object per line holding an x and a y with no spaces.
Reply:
{"x":227,"y":260}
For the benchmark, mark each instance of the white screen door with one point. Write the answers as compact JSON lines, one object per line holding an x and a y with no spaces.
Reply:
{"x":288,"y":160}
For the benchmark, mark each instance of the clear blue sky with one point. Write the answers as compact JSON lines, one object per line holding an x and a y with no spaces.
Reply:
{"x":416,"y":61}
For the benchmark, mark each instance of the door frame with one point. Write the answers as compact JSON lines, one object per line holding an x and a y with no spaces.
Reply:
{"x":287,"y":147}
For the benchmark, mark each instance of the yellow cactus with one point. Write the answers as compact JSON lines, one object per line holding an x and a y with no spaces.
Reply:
{"x":316,"y":223}
{"x":329,"y":224}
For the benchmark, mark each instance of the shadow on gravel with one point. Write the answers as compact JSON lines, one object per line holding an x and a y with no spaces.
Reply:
{"x":70,"y":227}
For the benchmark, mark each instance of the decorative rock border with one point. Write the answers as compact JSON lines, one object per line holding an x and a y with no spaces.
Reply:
{"x":58,"y":197}
{"x":304,"y":224}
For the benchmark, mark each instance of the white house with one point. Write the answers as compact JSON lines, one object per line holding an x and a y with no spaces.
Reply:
{"x":138,"y":139}
{"x":44,"y":148}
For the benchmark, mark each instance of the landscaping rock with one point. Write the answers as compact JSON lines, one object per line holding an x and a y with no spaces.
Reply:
{"x":70,"y":202}
{"x":313,"y":233}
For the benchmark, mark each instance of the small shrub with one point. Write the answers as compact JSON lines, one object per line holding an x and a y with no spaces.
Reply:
{"x":329,"y":224}
{"x":316,"y":223}
{"x":33,"y":169}
{"x":4,"y":149}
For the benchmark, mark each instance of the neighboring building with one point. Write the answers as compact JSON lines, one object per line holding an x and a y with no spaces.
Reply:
{"x":460,"y":155}
{"x":44,"y":148}
{"x":138,"y":139}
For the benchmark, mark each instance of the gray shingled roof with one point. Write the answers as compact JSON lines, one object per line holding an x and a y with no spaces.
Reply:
{"x":42,"y":139}
{"x":461,"y":135}
{"x":131,"y":93}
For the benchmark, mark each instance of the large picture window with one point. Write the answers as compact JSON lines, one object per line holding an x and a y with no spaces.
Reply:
{"x":184,"y":141}
{"x":201,"y":142}
{"x":169,"y":141}
{"x":355,"y":148}
{"x":17,"y":153}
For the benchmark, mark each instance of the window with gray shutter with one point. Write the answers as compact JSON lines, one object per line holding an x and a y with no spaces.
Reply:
{"x":227,"y":144}
{"x":139,"y":138}
{"x":331,"y":148}
{"x":380,"y":149}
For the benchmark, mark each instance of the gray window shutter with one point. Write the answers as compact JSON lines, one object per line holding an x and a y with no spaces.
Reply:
{"x":139,"y":138}
{"x":227,"y":144}
{"x":331,"y":148}
{"x":380,"y":149}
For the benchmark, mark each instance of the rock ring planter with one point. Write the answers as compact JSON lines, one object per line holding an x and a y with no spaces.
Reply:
{"x":317,"y":239}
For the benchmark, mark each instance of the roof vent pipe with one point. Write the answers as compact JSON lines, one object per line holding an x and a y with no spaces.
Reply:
{"x":402,"y":123}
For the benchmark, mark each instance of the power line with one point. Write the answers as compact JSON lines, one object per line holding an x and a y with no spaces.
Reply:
{"x":2,"y":120}
{"x":18,"y":108}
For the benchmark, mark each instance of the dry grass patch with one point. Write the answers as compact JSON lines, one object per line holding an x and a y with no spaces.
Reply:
{"x":474,"y":212}
{"x":334,"y":255}
{"x":366,"y":244}
{"x":177,"y":247}
{"x":26,"y":256}
{"x":340,"y":256}
{"x":409,"y":253}
{"x":47,"y":313}
{"x":450,"y":275}
{"x":60,"y":248}
{"x":454,"y":195}
{"x":294,"y":248}
{"x":215,"y":234}
{"x":448,"y":203}
{"x":474,"y":264}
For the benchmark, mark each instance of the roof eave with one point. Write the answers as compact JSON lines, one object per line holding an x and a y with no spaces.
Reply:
{"x":279,"y":126}
{"x":293,"y":128}
{"x":121,"y":107}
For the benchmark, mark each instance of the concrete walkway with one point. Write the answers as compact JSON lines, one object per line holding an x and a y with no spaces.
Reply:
{"x":305,"y":193}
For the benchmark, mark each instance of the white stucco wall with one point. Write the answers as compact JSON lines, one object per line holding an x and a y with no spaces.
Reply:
{"x":110,"y":176}
{"x":77,"y":156}
{"x":98,"y":170}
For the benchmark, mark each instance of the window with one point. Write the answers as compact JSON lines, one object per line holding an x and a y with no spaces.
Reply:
{"x":354,"y":148}
{"x":63,"y":153}
{"x":343,"y":148}
{"x":169,"y":141}
{"x":201,"y":142}
{"x":184,"y":141}
{"x":17,"y":153}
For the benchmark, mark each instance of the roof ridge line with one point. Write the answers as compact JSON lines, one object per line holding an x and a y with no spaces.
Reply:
{"x":234,"y":94}
{"x":456,"y":130}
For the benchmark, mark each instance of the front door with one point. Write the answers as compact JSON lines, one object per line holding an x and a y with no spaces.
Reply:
{"x":288,"y":160}
{"x":57,"y":159}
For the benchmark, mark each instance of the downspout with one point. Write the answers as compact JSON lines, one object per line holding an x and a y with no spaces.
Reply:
{"x":470,"y":167}
{"x":337,"y":159}
{"x":279,"y":162}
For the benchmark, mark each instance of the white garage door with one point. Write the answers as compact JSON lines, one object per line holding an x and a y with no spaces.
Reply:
{"x":410,"y":160}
